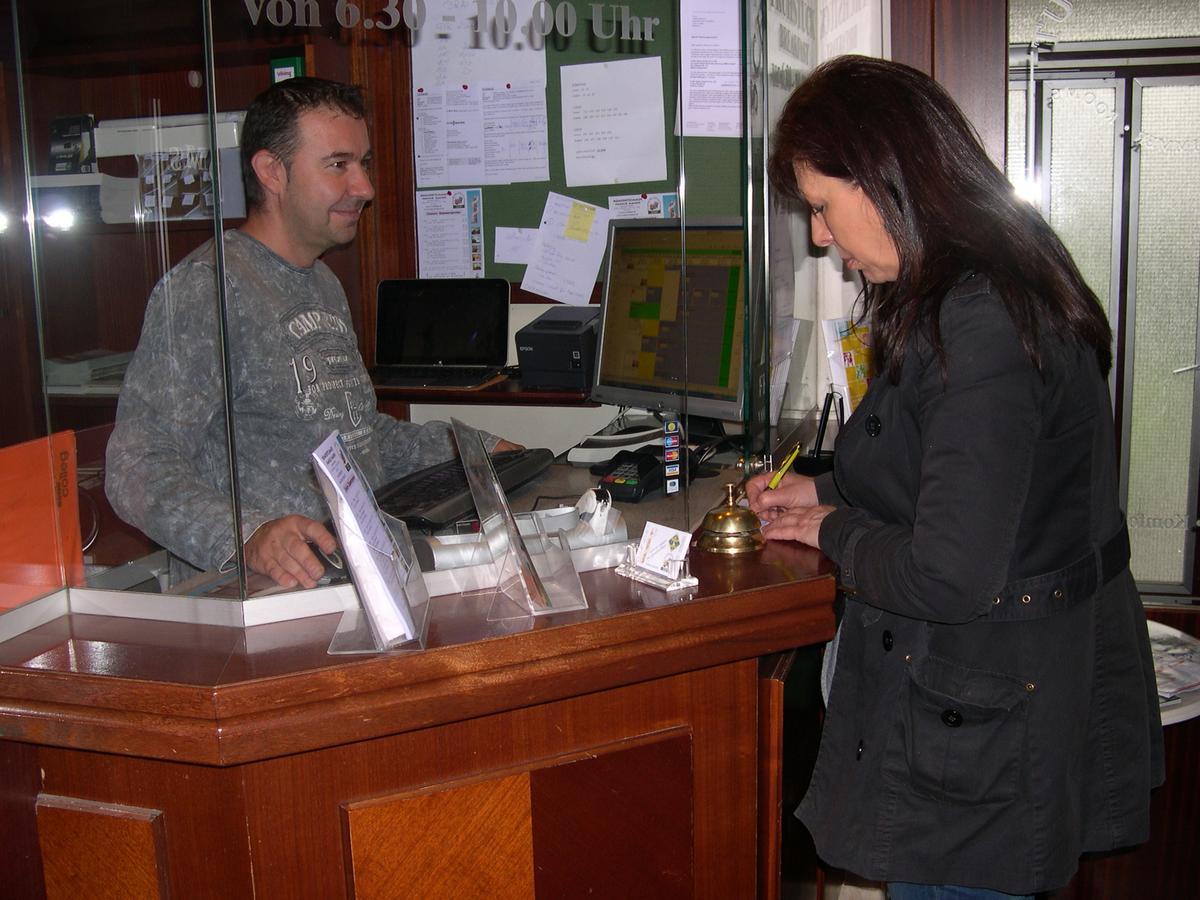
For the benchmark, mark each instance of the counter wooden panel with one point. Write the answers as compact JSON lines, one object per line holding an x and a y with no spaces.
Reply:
{"x":608,"y":752}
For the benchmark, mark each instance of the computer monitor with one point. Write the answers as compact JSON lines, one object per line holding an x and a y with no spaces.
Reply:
{"x":673,"y":317}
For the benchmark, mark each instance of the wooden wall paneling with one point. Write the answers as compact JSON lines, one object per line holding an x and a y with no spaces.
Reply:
{"x":616,"y":823}
{"x":21,"y":407}
{"x":101,"y":850}
{"x":773,"y":673}
{"x":444,"y":843}
{"x":238,"y":85}
{"x":716,"y":707}
{"x":20,"y":779}
{"x":143,"y":94}
{"x":125,"y":265}
{"x":970,"y":58}
{"x":388,"y":242}
{"x":963,"y":44}
{"x":912,"y":33}
{"x":204,"y":842}
{"x":69,"y":310}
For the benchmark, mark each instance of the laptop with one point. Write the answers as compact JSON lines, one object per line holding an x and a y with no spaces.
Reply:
{"x":440,"y":332}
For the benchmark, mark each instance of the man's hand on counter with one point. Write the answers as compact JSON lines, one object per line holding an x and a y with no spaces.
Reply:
{"x":280,"y":549}
{"x":503,"y":445}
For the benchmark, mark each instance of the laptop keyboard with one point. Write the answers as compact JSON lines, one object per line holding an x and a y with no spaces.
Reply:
{"x":439,"y":496}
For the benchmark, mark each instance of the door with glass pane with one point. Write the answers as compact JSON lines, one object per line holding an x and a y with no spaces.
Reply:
{"x":1118,"y":183}
{"x":1160,"y":435}
{"x":1083,"y":150}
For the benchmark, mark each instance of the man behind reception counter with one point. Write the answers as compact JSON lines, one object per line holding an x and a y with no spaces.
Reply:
{"x":294,"y":367}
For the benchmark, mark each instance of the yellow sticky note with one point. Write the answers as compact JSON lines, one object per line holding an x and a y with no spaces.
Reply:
{"x":579,"y":221}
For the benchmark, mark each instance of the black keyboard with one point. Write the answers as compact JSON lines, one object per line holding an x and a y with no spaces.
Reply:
{"x":438,"y":496}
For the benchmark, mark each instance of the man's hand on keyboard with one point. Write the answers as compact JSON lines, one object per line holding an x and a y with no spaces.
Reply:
{"x":502,"y":445}
{"x":279,"y":548}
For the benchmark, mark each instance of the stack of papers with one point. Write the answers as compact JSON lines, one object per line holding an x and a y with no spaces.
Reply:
{"x":1176,"y":661}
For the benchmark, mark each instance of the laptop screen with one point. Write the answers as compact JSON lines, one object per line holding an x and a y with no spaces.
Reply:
{"x":442,"y":321}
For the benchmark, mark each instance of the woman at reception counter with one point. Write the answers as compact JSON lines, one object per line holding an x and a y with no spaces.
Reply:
{"x":992,"y":711}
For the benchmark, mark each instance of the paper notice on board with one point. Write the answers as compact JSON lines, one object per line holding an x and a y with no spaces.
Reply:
{"x":464,"y":135}
{"x":479,"y":95}
{"x":453,"y":46}
{"x":450,"y":233}
{"x":514,"y":245}
{"x":565,"y":259}
{"x":429,"y":136}
{"x":485,"y":133}
{"x":515,"y":143}
{"x":644,"y":206}
{"x":711,"y":80}
{"x":612,"y":122}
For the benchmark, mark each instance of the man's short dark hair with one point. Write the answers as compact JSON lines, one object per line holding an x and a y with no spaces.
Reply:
{"x":271,"y":121}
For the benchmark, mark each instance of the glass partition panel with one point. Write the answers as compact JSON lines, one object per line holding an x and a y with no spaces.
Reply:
{"x":31,"y":560}
{"x":542,"y":128}
{"x":817,"y":361}
{"x":484,"y":122}
{"x":113,"y":122}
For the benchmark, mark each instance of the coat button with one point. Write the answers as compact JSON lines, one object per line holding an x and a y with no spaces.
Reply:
{"x":858,"y":754}
{"x":874,"y":426}
{"x":952,"y":718}
{"x":888,"y":641}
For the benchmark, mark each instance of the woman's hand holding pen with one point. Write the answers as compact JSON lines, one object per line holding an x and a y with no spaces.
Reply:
{"x":793,"y":490}
{"x":790,"y":511}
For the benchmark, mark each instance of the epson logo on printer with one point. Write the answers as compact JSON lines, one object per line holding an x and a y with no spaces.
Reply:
{"x":526,"y":349}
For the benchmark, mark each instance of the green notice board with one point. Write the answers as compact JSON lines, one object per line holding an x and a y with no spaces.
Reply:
{"x":712,"y":165}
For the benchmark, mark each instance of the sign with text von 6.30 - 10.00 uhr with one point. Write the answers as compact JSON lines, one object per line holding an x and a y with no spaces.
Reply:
{"x":494,"y":22}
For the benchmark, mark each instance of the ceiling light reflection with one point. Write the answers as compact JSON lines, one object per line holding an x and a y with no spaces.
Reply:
{"x":60,"y":219}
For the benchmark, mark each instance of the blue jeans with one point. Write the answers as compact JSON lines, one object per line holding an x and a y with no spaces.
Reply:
{"x":899,"y":890}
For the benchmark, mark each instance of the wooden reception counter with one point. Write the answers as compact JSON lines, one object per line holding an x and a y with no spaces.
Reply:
{"x":612,"y":752}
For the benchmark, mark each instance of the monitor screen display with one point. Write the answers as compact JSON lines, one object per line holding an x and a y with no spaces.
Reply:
{"x":673,"y":317}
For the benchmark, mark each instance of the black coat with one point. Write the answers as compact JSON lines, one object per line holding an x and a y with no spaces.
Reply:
{"x":993,"y":711}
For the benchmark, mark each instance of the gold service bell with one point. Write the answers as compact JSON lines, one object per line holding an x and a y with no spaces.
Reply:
{"x":730,"y":529}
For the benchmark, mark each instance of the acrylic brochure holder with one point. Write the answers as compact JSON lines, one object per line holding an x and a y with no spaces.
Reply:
{"x":383,"y":566}
{"x":355,"y":634}
{"x":592,"y":522}
{"x":535,"y":575}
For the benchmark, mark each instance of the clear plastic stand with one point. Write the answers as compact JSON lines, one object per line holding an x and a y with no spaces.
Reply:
{"x":357,"y":633}
{"x":550,"y":556}
{"x":680,"y":580}
{"x":524,"y":587}
{"x":592,"y":522}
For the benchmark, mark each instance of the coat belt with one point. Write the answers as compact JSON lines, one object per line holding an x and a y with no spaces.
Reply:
{"x":1054,"y":592}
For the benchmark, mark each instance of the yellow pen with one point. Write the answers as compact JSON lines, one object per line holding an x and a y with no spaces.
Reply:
{"x":782,"y":470}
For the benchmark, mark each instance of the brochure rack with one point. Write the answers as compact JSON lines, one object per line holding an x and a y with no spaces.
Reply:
{"x":394,"y":601}
{"x":535,"y":573}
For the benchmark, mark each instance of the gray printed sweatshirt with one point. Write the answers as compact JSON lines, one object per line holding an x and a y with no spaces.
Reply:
{"x":296,"y":376}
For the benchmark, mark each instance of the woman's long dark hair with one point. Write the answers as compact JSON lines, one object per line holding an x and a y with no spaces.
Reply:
{"x":896,"y":133}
